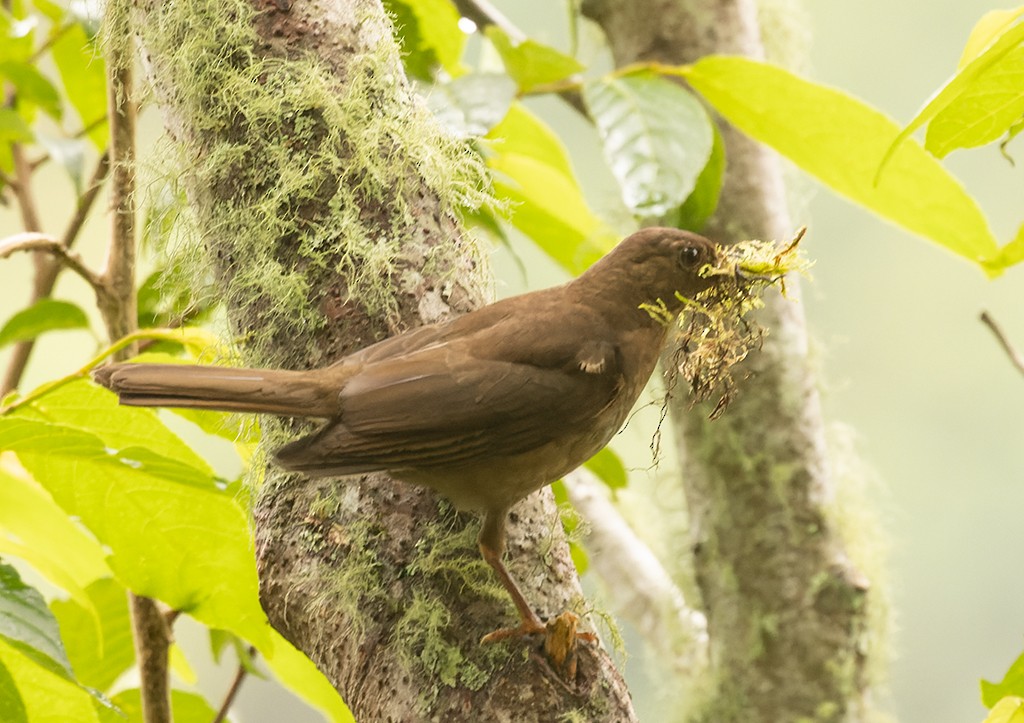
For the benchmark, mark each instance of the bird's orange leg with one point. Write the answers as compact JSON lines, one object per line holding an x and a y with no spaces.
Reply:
{"x":492,"y":547}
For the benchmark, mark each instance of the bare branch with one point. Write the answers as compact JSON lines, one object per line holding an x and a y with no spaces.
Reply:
{"x":236,"y":685}
{"x":46,"y":274}
{"x":484,"y":14}
{"x":639,"y":587}
{"x":44,"y":243}
{"x":1015,"y":357}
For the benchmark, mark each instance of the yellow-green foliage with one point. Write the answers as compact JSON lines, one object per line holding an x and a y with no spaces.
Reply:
{"x":289,"y":171}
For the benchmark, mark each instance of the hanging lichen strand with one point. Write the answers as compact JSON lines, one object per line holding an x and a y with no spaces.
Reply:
{"x":299,"y":181}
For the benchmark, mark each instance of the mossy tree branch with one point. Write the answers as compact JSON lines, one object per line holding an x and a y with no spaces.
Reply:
{"x":326,"y":197}
{"x":787,"y":611}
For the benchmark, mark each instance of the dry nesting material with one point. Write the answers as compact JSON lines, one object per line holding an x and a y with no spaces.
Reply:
{"x":715,"y":333}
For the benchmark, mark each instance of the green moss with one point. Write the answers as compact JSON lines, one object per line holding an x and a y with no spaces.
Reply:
{"x":352,"y":590}
{"x":445,"y":565}
{"x":286,"y":166}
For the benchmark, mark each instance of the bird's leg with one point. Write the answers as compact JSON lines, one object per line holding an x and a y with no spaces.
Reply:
{"x":492,"y":547}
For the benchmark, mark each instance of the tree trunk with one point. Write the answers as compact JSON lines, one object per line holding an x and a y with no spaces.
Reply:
{"x":787,"y":611}
{"x":325,"y":196}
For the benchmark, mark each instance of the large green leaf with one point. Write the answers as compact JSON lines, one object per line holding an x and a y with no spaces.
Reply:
{"x":13,"y":128}
{"x":655,"y":136}
{"x":1011,"y":684}
{"x":298,"y":673}
{"x":1008,"y":710}
{"x":43,"y":316}
{"x":12,"y":707}
{"x":608,"y":468}
{"x":45,"y":696}
{"x":185,"y":708}
{"x":533,"y":174}
{"x":530,"y":63}
{"x":32,"y":86}
{"x":700,"y":205}
{"x":35,"y":529}
{"x":83,"y":76}
{"x":473,"y":104}
{"x":989,"y":28}
{"x":98,"y":656}
{"x":27,"y":625}
{"x":840,"y":140}
{"x":998,"y":47}
{"x":429,"y":33}
{"x":985,"y":109}
{"x":83,"y":405}
{"x":173,"y":534}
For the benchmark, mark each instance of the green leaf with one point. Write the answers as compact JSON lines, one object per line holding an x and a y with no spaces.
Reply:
{"x":839,"y":140}
{"x":1010,"y":254}
{"x":530,"y":63}
{"x":16,"y":35}
{"x":83,"y":75}
{"x":609,"y":468}
{"x":985,"y":109}
{"x":43,"y":316}
{"x":472,"y":104}
{"x":160,"y":517}
{"x":1008,"y":710}
{"x":992,"y":24}
{"x":98,"y":656}
{"x":655,"y":136}
{"x":429,"y":34}
{"x":83,"y":405}
{"x":27,"y":624}
{"x":45,"y":695}
{"x":13,"y":128}
{"x":35,"y":529}
{"x":1012,"y":684}
{"x":32,"y":87}
{"x":570,"y":522}
{"x":185,"y":708}
{"x":958,"y":85}
{"x":299,"y":675}
{"x":533,"y":175}
{"x":701,"y":204}
{"x":12,"y":707}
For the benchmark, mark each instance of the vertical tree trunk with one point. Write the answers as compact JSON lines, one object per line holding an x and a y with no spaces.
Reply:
{"x":787,"y":611}
{"x":325,"y":196}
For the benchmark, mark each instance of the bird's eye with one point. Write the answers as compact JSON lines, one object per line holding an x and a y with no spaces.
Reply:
{"x":689,"y":255}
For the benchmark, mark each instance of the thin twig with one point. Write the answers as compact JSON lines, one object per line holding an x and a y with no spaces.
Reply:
{"x":1015,"y":357}
{"x":484,"y":14}
{"x":46,"y":277}
{"x":236,"y":684}
{"x":44,"y":243}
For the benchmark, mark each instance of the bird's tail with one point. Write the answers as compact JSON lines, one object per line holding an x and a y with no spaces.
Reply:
{"x":227,"y":389}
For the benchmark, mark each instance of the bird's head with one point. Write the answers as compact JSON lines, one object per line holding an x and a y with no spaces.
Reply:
{"x":655,"y":267}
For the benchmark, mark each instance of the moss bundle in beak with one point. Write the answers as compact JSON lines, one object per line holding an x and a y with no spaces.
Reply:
{"x":715,"y":333}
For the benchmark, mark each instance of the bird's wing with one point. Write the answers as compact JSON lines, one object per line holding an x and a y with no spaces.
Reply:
{"x":443,"y":406}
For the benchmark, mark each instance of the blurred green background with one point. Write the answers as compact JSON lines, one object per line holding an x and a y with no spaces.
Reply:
{"x":936,"y":407}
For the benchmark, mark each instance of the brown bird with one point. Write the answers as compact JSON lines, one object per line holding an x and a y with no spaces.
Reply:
{"x":485,"y":408}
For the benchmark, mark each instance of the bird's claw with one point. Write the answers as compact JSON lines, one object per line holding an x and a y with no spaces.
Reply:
{"x":561,"y":640}
{"x":525,"y":629}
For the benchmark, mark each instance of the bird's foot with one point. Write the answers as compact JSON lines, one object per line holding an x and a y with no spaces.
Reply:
{"x":532,"y":626}
{"x":561,"y":640}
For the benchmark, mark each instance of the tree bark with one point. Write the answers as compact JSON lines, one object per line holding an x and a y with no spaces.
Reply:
{"x":787,"y":611}
{"x":379,"y":583}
